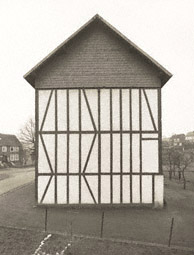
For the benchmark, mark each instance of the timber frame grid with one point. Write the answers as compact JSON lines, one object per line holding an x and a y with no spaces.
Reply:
{"x":97,"y":133}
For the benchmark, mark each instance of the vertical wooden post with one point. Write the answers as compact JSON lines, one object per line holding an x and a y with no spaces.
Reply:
{"x":46,"y":217}
{"x":171,"y":229}
{"x":71,"y":229}
{"x":102,"y":225}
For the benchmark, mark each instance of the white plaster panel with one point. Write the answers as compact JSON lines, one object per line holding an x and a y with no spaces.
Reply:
{"x":116,"y":153}
{"x":49,"y":123}
{"x":150,"y":156}
{"x":105,"y":189}
{"x":135,"y":109}
{"x":73,"y":110}
{"x":135,"y":153}
{"x":146,"y":117}
{"x":93,"y":184}
{"x":92,"y":96}
{"x":42,"y":183}
{"x":126,"y":189}
{"x":92,"y":166}
{"x":73,"y":189}
{"x":126,"y":153}
{"x":135,"y":189}
{"x":43,"y":166}
{"x":105,"y":109}
{"x":146,"y":189}
{"x":85,"y":116}
{"x":115,"y":109}
{"x":73,"y":153}
{"x":105,"y":153}
{"x":159,"y":190}
{"x":62,"y":153}
{"x":150,"y":135}
{"x":125,"y":109}
{"x":152,"y":95}
{"x":43,"y":100}
{"x":61,"y":189}
{"x":116,"y":189}
{"x":62,"y":109}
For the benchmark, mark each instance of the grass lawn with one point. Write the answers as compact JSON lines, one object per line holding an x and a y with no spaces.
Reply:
{"x":15,"y":241}
{"x":140,"y":224}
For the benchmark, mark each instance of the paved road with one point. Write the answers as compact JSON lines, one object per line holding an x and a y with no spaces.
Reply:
{"x":17,"y":177}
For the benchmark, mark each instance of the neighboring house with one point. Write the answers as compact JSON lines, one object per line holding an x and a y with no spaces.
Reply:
{"x":178,"y":140}
{"x":10,"y":149}
{"x":98,"y":121}
{"x":190,"y":137}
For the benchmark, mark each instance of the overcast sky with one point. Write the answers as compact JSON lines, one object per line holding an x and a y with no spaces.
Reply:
{"x":31,"y":29}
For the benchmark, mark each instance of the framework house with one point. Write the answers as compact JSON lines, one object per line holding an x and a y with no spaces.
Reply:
{"x":98,"y":121}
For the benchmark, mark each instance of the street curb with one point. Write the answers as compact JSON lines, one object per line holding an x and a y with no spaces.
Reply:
{"x":17,"y":188}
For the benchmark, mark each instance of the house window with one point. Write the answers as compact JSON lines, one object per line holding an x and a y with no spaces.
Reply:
{"x":4,"y":148}
{"x":16,"y":157}
{"x":11,"y":149}
{"x":16,"y":149}
{"x":12,"y":157}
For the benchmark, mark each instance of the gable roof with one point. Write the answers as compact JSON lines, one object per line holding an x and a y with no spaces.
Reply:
{"x":9,"y":140}
{"x":164,"y":74}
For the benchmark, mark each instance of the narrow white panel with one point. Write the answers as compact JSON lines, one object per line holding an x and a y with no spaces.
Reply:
{"x":61,"y":189}
{"x":116,"y":153}
{"x":105,"y":153}
{"x":135,"y":109}
{"x":105,"y":189}
{"x":49,"y":141}
{"x":42,"y":183}
{"x":126,"y":189}
{"x":150,"y":135}
{"x":85,"y":116}
{"x":150,"y":156}
{"x":116,"y":109}
{"x":152,"y":95}
{"x":43,"y":100}
{"x":62,"y":109}
{"x":92,"y":165}
{"x":62,"y":154}
{"x":43,"y":166}
{"x":146,"y":189}
{"x":92,"y":95}
{"x":135,"y":153}
{"x":73,"y":153}
{"x":49,"y":123}
{"x":159,"y":190}
{"x":86,"y":197}
{"x":73,"y":189}
{"x":125,"y":109}
{"x":105,"y":109}
{"x":126,"y":153}
{"x":135,"y":189}
{"x":73,"y":110}
{"x":116,"y":189}
{"x":146,"y":116}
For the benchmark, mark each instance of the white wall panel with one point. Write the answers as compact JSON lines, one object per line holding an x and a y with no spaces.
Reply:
{"x":105,"y":109}
{"x":42,"y":183}
{"x":135,"y":189}
{"x":116,"y":153}
{"x":43,"y":100}
{"x":150,"y":156}
{"x":105,"y":189}
{"x":73,"y":153}
{"x":126,"y":153}
{"x":159,"y":190}
{"x":85,"y":116}
{"x":62,"y":109}
{"x":146,"y":117}
{"x":150,"y":135}
{"x":135,"y":109}
{"x":135,"y":153}
{"x":116,"y":189}
{"x":125,"y":109}
{"x":62,"y":153}
{"x":116,"y":109}
{"x":73,"y":110}
{"x":146,"y":189}
{"x":73,"y":189}
{"x":152,"y":95}
{"x":61,"y":189}
{"x":93,"y":184}
{"x":43,"y":166}
{"x":105,"y":153}
{"x":49,"y":123}
{"x":126,"y":189}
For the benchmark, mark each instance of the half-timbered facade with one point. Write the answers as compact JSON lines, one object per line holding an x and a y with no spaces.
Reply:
{"x":98,"y":121}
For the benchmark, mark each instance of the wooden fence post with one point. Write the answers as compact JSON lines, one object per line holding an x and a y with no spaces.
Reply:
{"x":46,"y":218}
{"x":171,"y":230}
{"x":102,"y":225}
